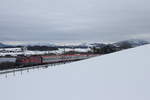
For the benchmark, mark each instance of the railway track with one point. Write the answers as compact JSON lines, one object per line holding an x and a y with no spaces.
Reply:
{"x":21,"y":68}
{"x":14,"y":70}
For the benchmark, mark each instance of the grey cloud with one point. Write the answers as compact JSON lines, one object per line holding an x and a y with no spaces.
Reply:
{"x":62,"y":20}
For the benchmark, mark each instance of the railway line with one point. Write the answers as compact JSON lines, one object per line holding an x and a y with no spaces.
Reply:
{"x":21,"y":68}
{"x":27,"y":69}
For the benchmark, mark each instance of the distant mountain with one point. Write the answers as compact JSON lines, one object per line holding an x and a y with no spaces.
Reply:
{"x":2,"y":45}
{"x":110,"y":48}
{"x":5,"y":45}
{"x":130,"y":43}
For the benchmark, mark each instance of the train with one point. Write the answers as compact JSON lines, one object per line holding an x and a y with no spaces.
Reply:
{"x":39,"y":60}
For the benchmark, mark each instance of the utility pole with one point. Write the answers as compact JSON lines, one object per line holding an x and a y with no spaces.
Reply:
{"x":73,"y":49}
{"x":64,"y":50}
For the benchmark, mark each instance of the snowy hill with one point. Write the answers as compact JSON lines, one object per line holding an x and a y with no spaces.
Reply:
{"x":132,"y":43}
{"x":4,"y":45}
{"x":122,"y":75}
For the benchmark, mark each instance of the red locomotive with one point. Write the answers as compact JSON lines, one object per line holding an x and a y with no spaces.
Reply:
{"x":32,"y":60}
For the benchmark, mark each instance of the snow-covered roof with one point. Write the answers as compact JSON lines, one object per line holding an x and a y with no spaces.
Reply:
{"x":122,"y":75}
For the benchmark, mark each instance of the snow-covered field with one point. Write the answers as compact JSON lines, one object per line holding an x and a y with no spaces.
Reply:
{"x":123,"y":75}
{"x":28,"y":52}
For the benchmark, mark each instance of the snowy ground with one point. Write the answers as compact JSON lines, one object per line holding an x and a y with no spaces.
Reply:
{"x":27,"y":52}
{"x":122,"y":75}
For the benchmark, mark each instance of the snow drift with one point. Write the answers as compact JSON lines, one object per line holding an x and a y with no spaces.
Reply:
{"x":122,"y":75}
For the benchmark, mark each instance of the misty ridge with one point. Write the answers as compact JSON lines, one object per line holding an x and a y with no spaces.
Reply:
{"x":100,"y":48}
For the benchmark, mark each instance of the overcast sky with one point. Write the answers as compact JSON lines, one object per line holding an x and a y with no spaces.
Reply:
{"x":74,"y":20}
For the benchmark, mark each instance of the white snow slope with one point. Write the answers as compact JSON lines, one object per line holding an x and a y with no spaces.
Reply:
{"x":123,"y":75}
